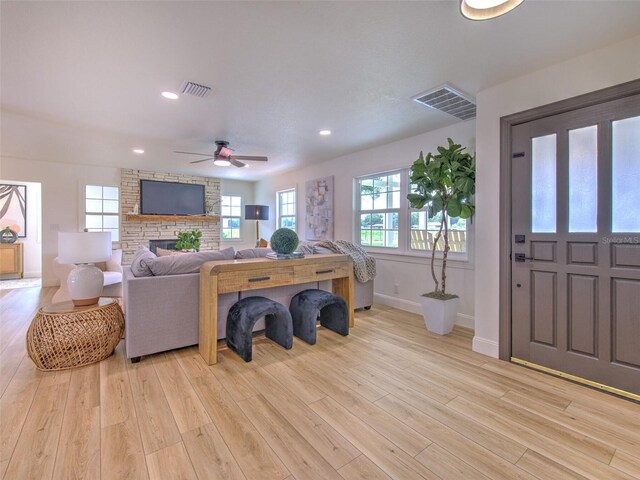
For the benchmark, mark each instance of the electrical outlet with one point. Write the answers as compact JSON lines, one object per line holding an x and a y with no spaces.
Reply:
{"x":396,"y":288}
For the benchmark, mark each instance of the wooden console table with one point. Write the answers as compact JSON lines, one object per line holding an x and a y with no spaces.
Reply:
{"x":226,"y":276}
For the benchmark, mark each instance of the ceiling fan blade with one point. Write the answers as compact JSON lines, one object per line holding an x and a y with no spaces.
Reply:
{"x":193,"y":153}
{"x":236,"y":163}
{"x":249,"y":157}
{"x":203,"y":160}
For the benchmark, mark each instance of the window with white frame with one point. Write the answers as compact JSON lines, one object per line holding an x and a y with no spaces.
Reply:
{"x":101,"y":210}
{"x":385,"y":219}
{"x":286,"y":209}
{"x":231,"y":214}
{"x":424,"y":231}
{"x":379,"y":210}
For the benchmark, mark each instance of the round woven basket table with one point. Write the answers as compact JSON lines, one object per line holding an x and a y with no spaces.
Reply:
{"x":62,"y":336}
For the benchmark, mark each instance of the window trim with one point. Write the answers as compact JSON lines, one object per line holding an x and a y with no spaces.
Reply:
{"x":84,"y":212}
{"x":359,"y":211}
{"x":295,"y":204}
{"x":222,"y":217}
{"x":404,"y":224}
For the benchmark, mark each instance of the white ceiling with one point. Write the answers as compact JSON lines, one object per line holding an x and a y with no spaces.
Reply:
{"x":81,"y":81}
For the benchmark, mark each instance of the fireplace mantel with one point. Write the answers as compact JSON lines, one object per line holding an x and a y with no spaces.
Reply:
{"x":173,"y":218}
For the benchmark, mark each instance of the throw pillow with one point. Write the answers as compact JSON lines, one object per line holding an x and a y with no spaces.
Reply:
{"x":253,"y":253}
{"x":187,"y":263}
{"x":163,"y":252}
{"x":140,"y":262}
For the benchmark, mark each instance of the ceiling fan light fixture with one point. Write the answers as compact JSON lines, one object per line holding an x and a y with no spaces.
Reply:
{"x":221,"y":162}
{"x":486,"y":9}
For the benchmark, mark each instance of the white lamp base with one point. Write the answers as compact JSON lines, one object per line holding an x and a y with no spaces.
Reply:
{"x":85,"y":284}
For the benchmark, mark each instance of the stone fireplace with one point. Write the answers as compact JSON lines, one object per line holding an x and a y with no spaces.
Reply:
{"x":147,"y":233}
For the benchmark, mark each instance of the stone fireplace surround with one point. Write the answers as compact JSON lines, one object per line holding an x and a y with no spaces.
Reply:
{"x":135,"y":233}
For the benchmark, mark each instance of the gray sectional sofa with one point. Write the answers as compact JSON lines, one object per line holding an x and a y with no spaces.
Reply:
{"x":162,"y":312}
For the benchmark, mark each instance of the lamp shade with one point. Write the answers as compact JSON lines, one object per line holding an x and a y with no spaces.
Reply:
{"x":256,"y":212}
{"x":85,"y":247}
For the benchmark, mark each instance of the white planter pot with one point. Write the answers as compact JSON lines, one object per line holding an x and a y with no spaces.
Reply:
{"x":439,"y":315}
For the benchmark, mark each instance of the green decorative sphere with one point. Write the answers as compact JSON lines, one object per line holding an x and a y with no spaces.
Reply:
{"x":284,"y":241}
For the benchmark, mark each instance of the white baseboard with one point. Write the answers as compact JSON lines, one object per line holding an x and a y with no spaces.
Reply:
{"x":32,"y":274}
{"x":395,"y":302}
{"x":466,"y":321}
{"x":485,"y":346}
{"x":462,"y":319}
{"x":50,"y":282}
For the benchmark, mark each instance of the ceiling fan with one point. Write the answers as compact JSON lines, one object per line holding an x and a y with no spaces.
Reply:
{"x":223,"y":156}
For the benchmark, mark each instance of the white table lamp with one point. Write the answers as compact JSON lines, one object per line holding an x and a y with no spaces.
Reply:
{"x":83,"y":249}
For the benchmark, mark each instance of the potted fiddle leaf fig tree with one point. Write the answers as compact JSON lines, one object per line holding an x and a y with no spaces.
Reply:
{"x":444,"y":183}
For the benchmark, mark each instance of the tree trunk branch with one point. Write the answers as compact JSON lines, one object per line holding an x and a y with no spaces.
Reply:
{"x":433,"y":256}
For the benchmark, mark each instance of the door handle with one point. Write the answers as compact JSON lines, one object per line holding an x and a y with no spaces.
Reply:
{"x":521,"y":257}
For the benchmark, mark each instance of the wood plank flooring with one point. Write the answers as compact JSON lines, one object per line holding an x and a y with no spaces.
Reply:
{"x":388,"y":401}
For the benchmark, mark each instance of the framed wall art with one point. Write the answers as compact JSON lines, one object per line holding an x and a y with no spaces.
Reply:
{"x":13,"y":208}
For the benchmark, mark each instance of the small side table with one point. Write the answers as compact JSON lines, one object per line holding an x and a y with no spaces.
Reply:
{"x":62,"y":336}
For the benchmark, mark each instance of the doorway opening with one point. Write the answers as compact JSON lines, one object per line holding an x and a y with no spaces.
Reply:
{"x":21,"y":226}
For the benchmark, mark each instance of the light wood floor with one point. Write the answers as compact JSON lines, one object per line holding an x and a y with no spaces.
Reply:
{"x":388,"y":401}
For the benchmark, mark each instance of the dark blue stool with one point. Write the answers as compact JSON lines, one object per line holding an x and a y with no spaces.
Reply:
{"x":307,"y":305}
{"x":244,"y":315}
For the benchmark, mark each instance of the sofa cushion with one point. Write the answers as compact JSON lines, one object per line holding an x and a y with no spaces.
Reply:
{"x":187,"y":263}
{"x":317,"y":249}
{"x":306,"y":247}
{"x":253,"y":253}
{"x":140,"y":262}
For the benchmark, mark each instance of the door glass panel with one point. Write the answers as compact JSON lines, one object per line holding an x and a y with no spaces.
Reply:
{"x":583,"y":179}
{"x":625,"y":158}
{"x":543,"y":184}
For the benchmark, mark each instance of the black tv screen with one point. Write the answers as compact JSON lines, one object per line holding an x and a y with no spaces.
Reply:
{"x":171,"y":198}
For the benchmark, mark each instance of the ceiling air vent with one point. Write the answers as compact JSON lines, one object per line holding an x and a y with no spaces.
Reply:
{"x":448,"y":100}
{"x":195,"y":90}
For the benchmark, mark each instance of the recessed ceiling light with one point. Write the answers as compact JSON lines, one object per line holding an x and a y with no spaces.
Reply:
{"x":246,"y":165}
{"x":170,"y":95}
{"x":221,"y":162}
{"x":325,"y":132}
{"x":138,"y":151}
{"x":487,"y":9}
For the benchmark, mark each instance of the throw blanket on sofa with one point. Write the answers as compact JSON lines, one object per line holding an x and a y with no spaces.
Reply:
{"x":364,"y":265}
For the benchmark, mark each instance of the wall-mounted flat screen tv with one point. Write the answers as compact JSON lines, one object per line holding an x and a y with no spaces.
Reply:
{"x":171,"y":198}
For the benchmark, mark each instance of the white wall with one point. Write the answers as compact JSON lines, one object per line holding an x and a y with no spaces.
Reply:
{"x":248,"y":227}
{"x":599,"y":69}
{"x":32,"y":249}
{"x":410,"y":273}
{"x":62,"y":186}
